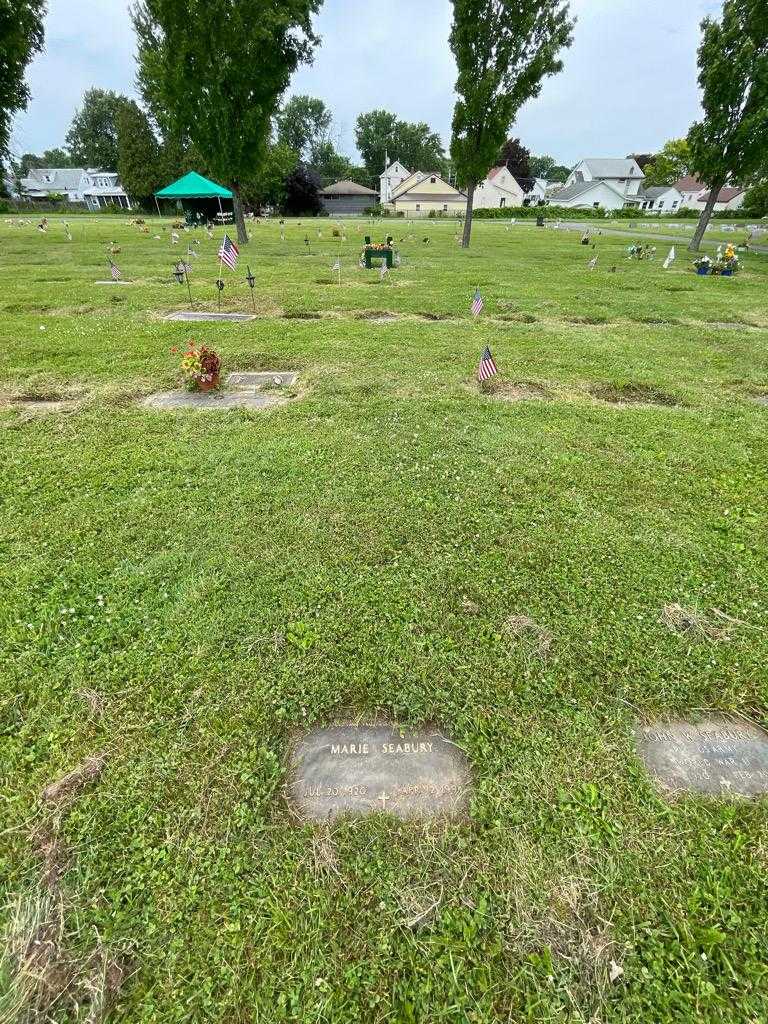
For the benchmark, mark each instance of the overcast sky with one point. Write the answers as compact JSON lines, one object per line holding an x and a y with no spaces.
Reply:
{"x":628,"y":85}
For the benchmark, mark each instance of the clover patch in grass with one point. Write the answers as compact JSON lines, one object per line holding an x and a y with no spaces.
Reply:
{"x":632,"y":394}
{"x":301,"y":315}
{"x":517,"y":318}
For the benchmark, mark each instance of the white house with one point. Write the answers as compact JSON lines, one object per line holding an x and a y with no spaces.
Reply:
{"x":660,"y":199}
{"x":390,"y":179}
{"x":90,"y":186}
{"x":589,"y":194}
{"x":695,"y":195}
{"x":624,"y":176}
{"x":498,"y":189}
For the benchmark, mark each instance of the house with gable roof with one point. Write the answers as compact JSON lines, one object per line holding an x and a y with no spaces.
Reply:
{"x":498,"y":189}
{"x":86,"y":185}
{"x":422,"y":192}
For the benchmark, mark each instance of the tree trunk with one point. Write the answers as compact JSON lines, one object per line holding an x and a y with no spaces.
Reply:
{"x":468,"y":215}
{"x":237,"y":204}
{"x":706,"y":213}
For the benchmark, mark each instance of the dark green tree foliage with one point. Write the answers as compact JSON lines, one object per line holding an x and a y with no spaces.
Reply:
{"x":516,"y":158}
{"x":139,"y":158}
{"x":540,"y":166}
{"x":756,"y":199}
{"x":503,"y":49}
{"x":328,"y":164}
{"x":731,"y":140}
{"x":303,"y":124}
{"x":21,"y":37}
{"x":92,"y":136}
{"x":301,"y":192}
{"x":267,"y":186}
{"x":218,"y":68}
{"x":379,"y":134}
{"x":558,"y":173}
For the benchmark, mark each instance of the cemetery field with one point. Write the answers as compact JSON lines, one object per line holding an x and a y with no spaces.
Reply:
{"x":535,"y":571}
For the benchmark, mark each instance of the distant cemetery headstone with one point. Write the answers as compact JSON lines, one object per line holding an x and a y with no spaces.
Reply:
{"x":717,"y":756}
{"x":192,"y":317}
{"x":364,"y":769}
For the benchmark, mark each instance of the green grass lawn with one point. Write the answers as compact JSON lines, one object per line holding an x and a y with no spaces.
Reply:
{"x":182,"y":591}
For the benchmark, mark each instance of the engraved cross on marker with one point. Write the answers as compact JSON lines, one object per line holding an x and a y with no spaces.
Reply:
{"x":383,"y":797}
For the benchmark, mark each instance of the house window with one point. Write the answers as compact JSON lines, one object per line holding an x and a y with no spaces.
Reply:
{"x":674,"y":204}
{"x":433,"y":179}
{"x":596,"y":206}
{"x":503,"y":201}
{"x":661,"y":204}
{"x":418,"y":206}
{"x":445,"y":207}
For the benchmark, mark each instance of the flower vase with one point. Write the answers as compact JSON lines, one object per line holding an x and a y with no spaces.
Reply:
{"x":209,"y":385}
{"x":702,"y":271}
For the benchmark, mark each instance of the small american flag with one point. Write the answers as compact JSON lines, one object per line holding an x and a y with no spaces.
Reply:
{"x":487,"y":367}
{"x":228,"y":252}
{"x":477,"y":307}
{"x":336,"y":265}
{"x":114,"y":271}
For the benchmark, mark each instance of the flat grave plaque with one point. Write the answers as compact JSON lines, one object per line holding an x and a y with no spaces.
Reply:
{"x":215,"y":400}
{"x":717,"y":756}
{"x":257,"y":380}
{"x":192,"y":317}
{"x":365,"y":769}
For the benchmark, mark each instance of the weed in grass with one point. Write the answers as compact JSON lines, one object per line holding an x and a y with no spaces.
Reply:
{"x":632,"y":394}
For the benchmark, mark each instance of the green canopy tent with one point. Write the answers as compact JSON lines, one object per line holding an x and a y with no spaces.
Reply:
{"x":201,"y":195}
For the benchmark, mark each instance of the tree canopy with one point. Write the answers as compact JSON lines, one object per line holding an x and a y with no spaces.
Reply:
{"x":21,"y":37}
{"x":303,"y":124}
{"x":139,"y":156}
{"x":379,"y":134}
{"x":503,"y":49}
{"x":731,"y":140}
{"x":672,"y":163}
{"x":219,"y":68}
{"x":92,"y":136}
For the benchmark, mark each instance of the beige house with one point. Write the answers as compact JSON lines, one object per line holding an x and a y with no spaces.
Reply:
{"x":422,"y":192}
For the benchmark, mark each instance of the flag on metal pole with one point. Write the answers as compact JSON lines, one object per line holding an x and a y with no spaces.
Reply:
{"x":114,"y":271}
{"x":477,"y":303}
{"x":487,"y":367}
{"x":228,"y":252}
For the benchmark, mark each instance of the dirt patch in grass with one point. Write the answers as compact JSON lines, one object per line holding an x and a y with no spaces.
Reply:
{"x":632,"y":394}
{"x":302,"y":315}
{"x":63,"y":790}
{"x":517,"y":318}
{"x":726,"y":325}
{"x":24,"y":307}
{"x":34,"y":401}
{"x":514,"y":390}
{"x":435,"y":316}
{"x":761,"y":399}
{"x":379,"y":316}
{"x":700,"y":626}
{"x":536,"y":638}
{"x":594,"y":320}
{"x":656,"y":321}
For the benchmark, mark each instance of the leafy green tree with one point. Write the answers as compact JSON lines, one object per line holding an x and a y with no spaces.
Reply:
{"x":303,"y":124}
{"x":671,"y":164}
{"x":219,"y":68}
{"x":267,"y":187}
{"x":379,"y":134}
{"x":92,"y":136}
{"x":756,"y":199}
{"x":731,"y":140}
{"x":21,"y":37}
{"x":558,"y":173}
{"x":328,"y":164}
{"x":540,"y":166}
{"x":503,"y":51}
{"x":139,"y":159}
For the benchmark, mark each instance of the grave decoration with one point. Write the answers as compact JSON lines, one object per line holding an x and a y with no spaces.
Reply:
{"x":377,"y":251}
{"x":375,"y":768}
{"x":200,"y":368}
{"x":727,"y":263}
{"x":703,"y":265}
{"x":638,"y":251}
